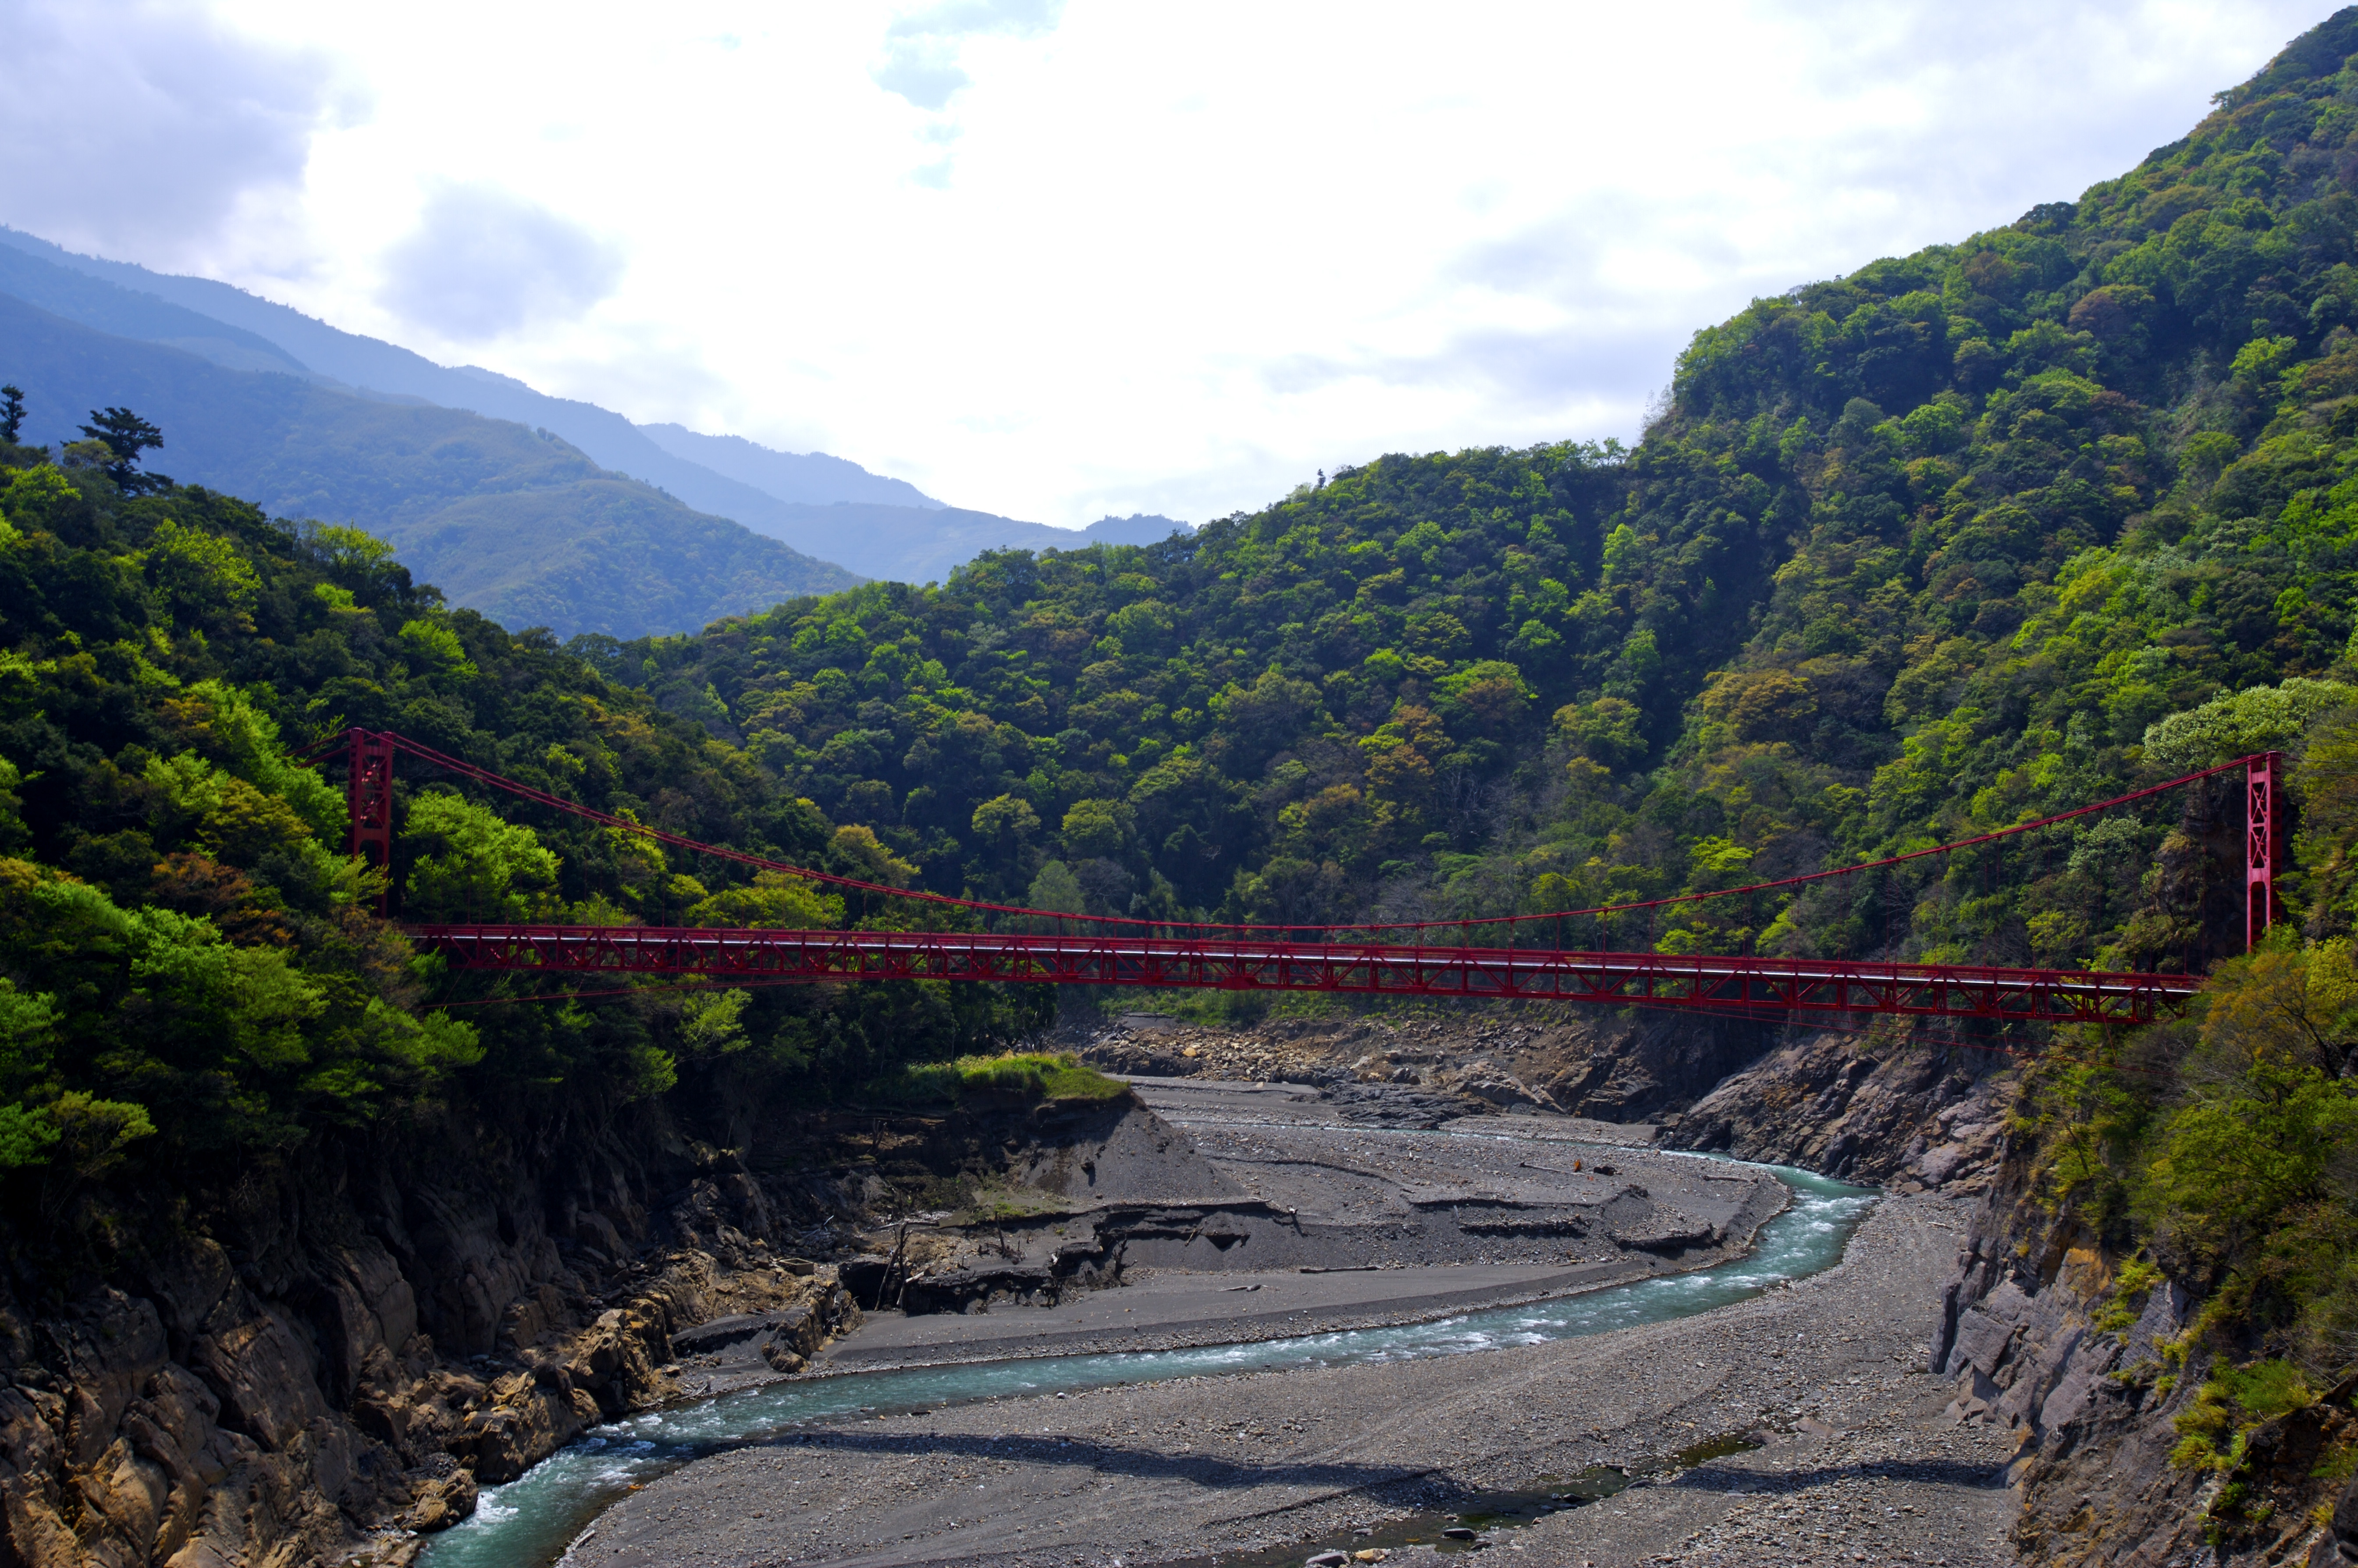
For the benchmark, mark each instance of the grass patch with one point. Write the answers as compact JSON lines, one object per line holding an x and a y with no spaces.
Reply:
{"x":1026,"y":1074}
{"x":2125,"y":1302}
{"x":2228,"y":1404}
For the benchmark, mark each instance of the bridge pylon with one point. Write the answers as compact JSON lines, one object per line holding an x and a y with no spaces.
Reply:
{"x":368,"y":793}
{"x":2263,"y":831}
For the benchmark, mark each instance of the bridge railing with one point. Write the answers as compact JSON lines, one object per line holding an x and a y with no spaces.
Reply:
{"x":1472,"y":942}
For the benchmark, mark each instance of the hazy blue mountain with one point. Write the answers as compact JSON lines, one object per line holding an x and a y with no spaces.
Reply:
{"x":891,"y":528}
{"x":511,"y":520}
{"x":805,"y":477}
{"x":129,"y":314}
{"x":1138,"y":528}
{"x":373,"y":365}
{"x":910,"y":544}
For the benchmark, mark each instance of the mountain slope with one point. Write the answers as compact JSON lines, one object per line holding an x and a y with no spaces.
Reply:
{"x":533,"y":530}
{"x":125,"y":314}
{"x":372,"y":366}
{"x":901,"y":533}
{"x":908,"y":543}
{"x":1914,"y":554}
{"x":804,"y":477}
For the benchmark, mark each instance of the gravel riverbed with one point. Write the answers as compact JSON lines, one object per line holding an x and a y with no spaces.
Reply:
{"x":1859,"y":1466}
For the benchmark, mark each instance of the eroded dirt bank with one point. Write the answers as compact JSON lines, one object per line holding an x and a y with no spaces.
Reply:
{"x":1326,"y":1212}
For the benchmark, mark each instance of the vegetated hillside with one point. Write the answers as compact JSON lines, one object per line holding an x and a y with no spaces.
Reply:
{"x":255,"y":1177}
{"x":1965,"y":537}
{"x":186,"y":956}
{"x":1913,"y":553}
{"x":521,"y":525}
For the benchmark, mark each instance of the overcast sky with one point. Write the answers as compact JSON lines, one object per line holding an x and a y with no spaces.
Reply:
{"x":1057,"y":260}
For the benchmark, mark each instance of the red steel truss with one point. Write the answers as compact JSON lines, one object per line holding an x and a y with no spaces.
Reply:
{"x":368,"y":794}
{"x":1266,"y":959}
{"x":2261,"y":843}
{"x":1735,"y":985}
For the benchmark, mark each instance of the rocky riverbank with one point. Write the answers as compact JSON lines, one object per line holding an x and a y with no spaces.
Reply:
{"x":2043,"y":1338}
{"x":1857,"y":1453}
{"x":1608,"y":1067}
{"x":334,"y":1357}
{"x":1890,"y":1106}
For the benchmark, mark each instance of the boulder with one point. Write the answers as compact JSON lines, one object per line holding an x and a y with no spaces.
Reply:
{"x":440,"y":1502}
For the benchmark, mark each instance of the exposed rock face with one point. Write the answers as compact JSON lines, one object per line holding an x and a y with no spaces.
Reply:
{"x":1604,"y":1067}
{"x":353,"y":1344}
{"x":2018,"y":1331}
{"x":1868,"y":1112}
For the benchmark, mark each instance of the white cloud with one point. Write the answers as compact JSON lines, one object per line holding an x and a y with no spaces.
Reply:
{"x":483,"y":263}
{"x":1182,"y":258}
{"x":149,"y":131}
{"x":921,"y":61}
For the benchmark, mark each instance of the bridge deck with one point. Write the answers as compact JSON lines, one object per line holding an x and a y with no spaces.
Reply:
{"x":1735,"y":985}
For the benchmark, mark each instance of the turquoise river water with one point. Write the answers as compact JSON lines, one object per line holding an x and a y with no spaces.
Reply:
{"x":531,"y":1520}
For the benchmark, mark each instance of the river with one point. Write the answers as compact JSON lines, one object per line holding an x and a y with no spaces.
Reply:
{"x":531,"y":1520}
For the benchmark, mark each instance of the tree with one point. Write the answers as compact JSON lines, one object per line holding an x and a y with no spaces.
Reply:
{"x":12,"y":412}
{"x":473,"y":866}
{"x":126,"y":435}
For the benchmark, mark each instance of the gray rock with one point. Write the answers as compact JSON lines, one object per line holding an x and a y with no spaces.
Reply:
{"x":2339,"y":1545}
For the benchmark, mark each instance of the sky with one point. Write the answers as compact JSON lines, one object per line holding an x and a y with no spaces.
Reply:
{"x":1058,"y":259}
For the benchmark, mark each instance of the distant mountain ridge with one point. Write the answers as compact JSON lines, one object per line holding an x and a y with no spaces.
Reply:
{"x":908,"y":543}
{"x":370,"y":366}
{"x":899,"y":532}
{"x":510,"y":520}
{"x":801,"y":477}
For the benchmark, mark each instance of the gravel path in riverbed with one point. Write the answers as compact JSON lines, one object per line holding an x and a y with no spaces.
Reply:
{"x":1864,"y":1470}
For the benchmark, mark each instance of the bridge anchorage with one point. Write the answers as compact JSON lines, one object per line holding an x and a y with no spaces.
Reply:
{"x":1515,"y":957}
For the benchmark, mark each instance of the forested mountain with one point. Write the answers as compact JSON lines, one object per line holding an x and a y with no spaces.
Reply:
{"x":1965,"y":537}
{"x":514,"y":521}
{"x":1912,"y":552}
{"x":824,"y":508}
{"x":117,"y":297}
{"x":186,"y":955}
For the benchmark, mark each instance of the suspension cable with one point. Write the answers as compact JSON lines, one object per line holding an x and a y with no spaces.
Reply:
{"x":559,"y":803}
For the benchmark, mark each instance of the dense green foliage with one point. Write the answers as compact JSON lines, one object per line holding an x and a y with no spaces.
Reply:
{"x":1968,"y":536}
{"x":191,"y":972}
{"x":1915,"y":553}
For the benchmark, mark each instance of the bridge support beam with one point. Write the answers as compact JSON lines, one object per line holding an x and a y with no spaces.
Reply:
{"x":368,"y":795}
{"x":2262,"y":830}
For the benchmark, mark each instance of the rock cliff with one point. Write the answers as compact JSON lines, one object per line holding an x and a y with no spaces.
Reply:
{"x":329,"y":1358}
{"x":2045,"y":1335}
{"x":1603,"y":1066}
{"x":1917,"y":1115}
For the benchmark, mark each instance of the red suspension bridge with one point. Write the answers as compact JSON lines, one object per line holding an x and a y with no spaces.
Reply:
{"x":1516,"y":956}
